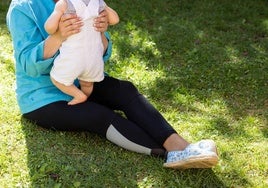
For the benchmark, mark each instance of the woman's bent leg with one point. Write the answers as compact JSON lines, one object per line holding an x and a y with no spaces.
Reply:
{"x":123,"y":95}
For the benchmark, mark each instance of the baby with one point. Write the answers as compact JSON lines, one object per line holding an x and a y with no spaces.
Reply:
{"x":81,"y":55}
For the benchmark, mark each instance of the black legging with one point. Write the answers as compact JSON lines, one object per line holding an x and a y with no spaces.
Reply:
{"x":144,"y":130}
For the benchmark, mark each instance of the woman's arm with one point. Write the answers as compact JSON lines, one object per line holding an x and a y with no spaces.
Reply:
{"x":107,"y":54}
{"x":101,"y":25}
{"x":104,"y":42}
{"x":34,"y":51}
{"x":69,"y":24}
{"x":28,"y":40}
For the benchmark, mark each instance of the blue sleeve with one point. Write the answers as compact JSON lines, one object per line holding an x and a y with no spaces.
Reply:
{"x":108,"y":52}
{"x":28,"y":43}
{"x":29,"y":36}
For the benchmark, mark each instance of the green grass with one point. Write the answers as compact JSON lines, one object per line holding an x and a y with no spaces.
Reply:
{"x":203,"y":64}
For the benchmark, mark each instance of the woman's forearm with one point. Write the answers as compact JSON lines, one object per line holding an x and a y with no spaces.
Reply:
{"x":52,"y":45}
{"x":104,"y":42}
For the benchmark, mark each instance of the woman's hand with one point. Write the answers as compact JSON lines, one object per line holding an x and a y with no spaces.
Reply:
{"x":101,"y":22}
{"x":69,"y":24}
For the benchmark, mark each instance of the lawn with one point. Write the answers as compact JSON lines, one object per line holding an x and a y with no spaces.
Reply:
{"x":203,"y":64}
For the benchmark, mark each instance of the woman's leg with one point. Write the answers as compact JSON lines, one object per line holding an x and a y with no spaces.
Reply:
{"x":97,"y":118}
{"x":97,"y":115}
{"x":123,"y":95}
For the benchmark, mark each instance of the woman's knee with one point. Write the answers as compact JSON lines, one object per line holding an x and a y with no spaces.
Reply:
{"x":128,"y":88}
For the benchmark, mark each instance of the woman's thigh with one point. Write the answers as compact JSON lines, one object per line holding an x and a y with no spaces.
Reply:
{"x":96,"y":114}
{"x":113,"y":93}
{"x":87,"y":116}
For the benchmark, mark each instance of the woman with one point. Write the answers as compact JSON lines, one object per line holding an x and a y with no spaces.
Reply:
{"x":144,"y":130}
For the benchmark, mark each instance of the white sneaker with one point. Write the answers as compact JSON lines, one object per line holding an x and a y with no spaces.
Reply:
{"x":208,"y":145}
{"x":202,"y":154}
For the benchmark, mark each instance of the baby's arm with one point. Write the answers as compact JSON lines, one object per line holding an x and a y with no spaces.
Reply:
{"x":113,"y":17}
{"x":53,"y":20}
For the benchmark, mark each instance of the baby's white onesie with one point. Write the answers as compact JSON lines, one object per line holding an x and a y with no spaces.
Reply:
{"x":81,"y":55}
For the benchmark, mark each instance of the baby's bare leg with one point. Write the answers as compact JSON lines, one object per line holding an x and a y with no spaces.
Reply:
{"x":86,"y":87}
{"x":71,"y":90}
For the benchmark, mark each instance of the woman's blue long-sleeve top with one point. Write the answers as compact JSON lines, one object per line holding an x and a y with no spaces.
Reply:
{"x":25,"y":20}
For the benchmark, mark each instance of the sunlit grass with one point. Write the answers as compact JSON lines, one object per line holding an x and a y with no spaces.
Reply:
{"x":203,"y":64}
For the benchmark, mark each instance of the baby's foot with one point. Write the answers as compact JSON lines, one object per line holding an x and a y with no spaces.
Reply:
{"x":78,"y":99}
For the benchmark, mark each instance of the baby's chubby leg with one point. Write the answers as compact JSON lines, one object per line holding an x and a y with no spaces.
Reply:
{"x":86,"y":87}
{"x":72,"y":90}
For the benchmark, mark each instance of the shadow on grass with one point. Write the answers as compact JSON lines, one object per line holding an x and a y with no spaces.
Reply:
{"x":68,"y":159}
{"x":211,"y":48}
{"x":207,"y":49}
